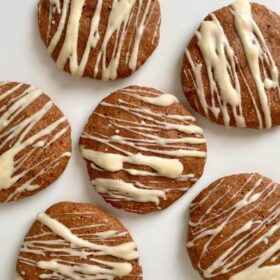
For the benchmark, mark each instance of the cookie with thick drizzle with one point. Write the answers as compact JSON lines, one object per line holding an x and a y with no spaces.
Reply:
{"x":234,"y":229}
{"x":35,"y":141}
{"x":231,"y":67}
{"x":101,"y":39}
{"x":78,"y":241}
{"x":143,"y":149}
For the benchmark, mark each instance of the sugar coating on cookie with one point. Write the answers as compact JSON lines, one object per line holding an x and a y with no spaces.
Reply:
{"x":101,"y":39}
{"x":234,"y":229}
{"x":143,"y":149}
{"x":35,"y":141}
{"x":78,"y":241}
{"x":231,"y":67}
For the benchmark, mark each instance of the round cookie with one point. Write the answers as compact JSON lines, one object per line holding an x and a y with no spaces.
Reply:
{"x":231,"y":67}
{"x":234,"y":229}
{"x":78,"y":241}
{"x":101,"y":39}
{"x":35,"y":141}
{"x":143,"y":149}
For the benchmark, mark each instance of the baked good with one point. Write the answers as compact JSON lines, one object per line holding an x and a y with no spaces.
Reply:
{"x":101,"y":39}
{"x":231,"y":67}
{"x":234,"y":229}
{"x":35,"y":141}
{"x":78,"y":241}
{"x":143,"y":149}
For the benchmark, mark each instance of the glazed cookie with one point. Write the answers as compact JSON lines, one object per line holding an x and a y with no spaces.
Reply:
{"x":234,"y":229}
{"x":78,"y":241}
{"x":101,"y":39}
{"x":231,"y":67}
{"x":35,"y":141}
{"x":143,"y":149}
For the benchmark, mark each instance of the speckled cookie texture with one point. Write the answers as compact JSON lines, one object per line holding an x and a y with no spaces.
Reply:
{"x":143,"y":149}
{"x":101,"y":39}
{"x":231,"y":67}
{"x":234,"y":229}
{"x":35,"y":141}
{"x":77,"y":241}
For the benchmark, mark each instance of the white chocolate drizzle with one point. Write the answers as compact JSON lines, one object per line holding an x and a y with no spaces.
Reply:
{"x":267,"y":272}
{"x":76,"y":253}
{"x":257,"y":52}
{"x":123,"y":15}
{"x":16,"y":134}
{"x":163,"y":100}
{"x":149,"y":127}
{"x":125,"y":251}
{"x":139,"y":34}
{"x":169,"y":168}
{"x":56,"y":4}
{"x":252,"y":243}
{"x":224,"y":71}
{"x":118,"y":189}
{"x":216,"y":51}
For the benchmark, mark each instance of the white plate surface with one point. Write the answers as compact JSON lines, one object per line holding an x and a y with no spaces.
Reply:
{"x":161,"y":236}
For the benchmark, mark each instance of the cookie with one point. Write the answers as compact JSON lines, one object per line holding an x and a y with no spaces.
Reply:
{"x":231,"y":67}
{"x":143,"y":149}
{"x":100,"y":39}
{"x":35,"y":141}
{"x":78,"y":241}
{"x":234,"y":229}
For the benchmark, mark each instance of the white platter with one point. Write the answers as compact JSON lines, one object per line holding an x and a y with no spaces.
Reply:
{"x":161,"y":237}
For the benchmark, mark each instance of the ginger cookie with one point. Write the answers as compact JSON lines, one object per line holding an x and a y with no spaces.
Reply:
{"x":143,"y":149}
{"x":78,"y":241}
{"x":234,"y":229}
{"x":100,"y":39}
{"x":231,"y":67}
{"x":35,"y":141}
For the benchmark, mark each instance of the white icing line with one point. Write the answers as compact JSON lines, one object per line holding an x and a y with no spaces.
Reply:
{"x":70,"y":45}
{"x":19,"y":131}
{"x":118,"y":189}
{"x":188,"y":129}
{"x":77,"y":271}
{"x":75,"y":246}
{"x":170,"y":168}
{"x":223,"y":67}
{"x":271,"y":272}
{"x":252,"y":233}
{"x":56,"y":3}
{"x":139,"y":33}
{"x":196,"y":68}
{"x":164,"y":153}
{"x":256,"y":49}
{"x":124,"y":251}
{"x":60,"y":28}
{"x":163,"y":100}
{"x":120,"y":18}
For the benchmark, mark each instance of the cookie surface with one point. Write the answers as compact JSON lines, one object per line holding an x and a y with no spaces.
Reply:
{"x":143,"y":149}
{"x":78,"y":241}
{"x":234,"y":229}
{"x":35,"y":141}
{"x":101,"y":39}
{"x":231,"y":67}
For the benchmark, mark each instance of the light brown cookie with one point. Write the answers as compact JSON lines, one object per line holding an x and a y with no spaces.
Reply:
{"x":35,"y":141}
{"x":231,"y":67}
{"x":234,"y":229}
{"x":78,"y":241}
{"x":101,"y":39}
{"x":143,"y":149}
